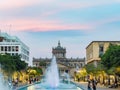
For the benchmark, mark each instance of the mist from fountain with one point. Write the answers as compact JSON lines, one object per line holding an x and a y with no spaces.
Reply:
{"x":52,"y":75}
{"x":3,"y":84}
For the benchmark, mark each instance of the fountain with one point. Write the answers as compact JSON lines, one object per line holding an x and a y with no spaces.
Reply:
{"x":3,"y":84}
{"x":66,"y":77}
{"x":52,"y":75}
{"x":52,"y":81}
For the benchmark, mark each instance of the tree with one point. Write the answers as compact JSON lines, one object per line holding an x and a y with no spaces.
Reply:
{"x":96,"y":71}
{"x":91,"y":68}
{"x":37,"y":69}
{"x":19,"y":65}
{"x":11,"y":64}
{"x":111,"y":59}
{"x":34,"y":72}
{"x":117,"y":71}
{"x":7,"y":64}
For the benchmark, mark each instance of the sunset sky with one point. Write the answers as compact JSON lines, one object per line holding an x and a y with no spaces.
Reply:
{"x":40,"y":24}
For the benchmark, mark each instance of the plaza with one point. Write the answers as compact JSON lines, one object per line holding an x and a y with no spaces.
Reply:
{"x":99,"y":87}
{"x":59,"y":44}
{"x":76,"y":68}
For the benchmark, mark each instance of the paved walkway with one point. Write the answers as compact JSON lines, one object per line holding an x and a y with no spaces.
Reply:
{"x":99,"y":87}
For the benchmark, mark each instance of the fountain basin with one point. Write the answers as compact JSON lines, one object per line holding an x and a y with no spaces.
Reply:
{"x":44,"y":86}
{"x":52,"y":80}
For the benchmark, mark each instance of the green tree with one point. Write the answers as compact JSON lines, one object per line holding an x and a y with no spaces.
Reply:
{"x":117,"y":71}
{"x":19,"y":65}
{"x":37,"y":69}
{"x":111,"y":59}
{"x":96,"y":71}
{"x":91,"y":68}
{"x":7,"y":64}
{"x":10,"y":64}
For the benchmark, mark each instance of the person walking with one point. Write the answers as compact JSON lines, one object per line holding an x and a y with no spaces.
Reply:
{"x":89,"y":83}
{"x":94,"y":84}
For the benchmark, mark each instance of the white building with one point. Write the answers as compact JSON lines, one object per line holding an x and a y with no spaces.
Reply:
{"x":13,"y":46}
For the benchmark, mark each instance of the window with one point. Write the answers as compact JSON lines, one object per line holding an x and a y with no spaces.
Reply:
{"x":101,"y":49}
{"x":16,"y":53}
{"x":81,"y":65}
{"x":9,"y":48}
{"x":2,"y":48}
{"x":1,"y":39}
{"x":5,"y":48}
{"x":17,"y":48}
{"x":13,"y":48}
{"x":27,"y":53}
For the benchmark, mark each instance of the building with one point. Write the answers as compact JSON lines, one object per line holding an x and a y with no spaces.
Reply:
{"x":97,"y":48}
{"x":13,"y":46}
{"x":59,"y":52}
{"x":64,"y":64}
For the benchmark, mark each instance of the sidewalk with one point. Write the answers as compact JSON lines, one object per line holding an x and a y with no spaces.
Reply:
{"x":99,"y":87}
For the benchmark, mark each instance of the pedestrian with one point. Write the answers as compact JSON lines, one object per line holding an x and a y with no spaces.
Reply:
{"x":89,"y":83}
{"x":94,"y":84}
{"x":16,"y":82}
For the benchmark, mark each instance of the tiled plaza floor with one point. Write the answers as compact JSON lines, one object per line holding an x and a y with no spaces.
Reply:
{"x":99,"y":87}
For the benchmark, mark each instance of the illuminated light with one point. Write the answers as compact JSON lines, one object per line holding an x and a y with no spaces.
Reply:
{"x":79,"y":88}
{"x":31,"y":87}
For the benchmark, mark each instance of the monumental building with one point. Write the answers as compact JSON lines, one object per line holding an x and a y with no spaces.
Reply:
{"x":64,"y":63}
{"x":14,"y":46}
{"x":97,"y":48}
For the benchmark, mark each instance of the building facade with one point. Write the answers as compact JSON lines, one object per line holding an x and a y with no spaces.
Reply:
{"x":64,"y":64}
{"x":97,"y":48}
{"x":59,"y":52}
{"x":13,"y":46}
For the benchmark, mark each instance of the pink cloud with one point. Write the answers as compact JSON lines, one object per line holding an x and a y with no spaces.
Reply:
{"x":48,"y":13}
{"x":44,"y":25}
{"x":12,"y":4}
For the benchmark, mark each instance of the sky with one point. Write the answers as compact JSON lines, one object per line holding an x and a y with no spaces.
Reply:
{"x":40,"y":24}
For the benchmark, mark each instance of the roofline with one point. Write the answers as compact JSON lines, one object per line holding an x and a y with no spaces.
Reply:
{"x":100,"y":41}
{"x":6,"y":35}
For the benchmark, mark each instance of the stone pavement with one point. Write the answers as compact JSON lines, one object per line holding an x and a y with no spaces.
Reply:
{"x":99,"y":87}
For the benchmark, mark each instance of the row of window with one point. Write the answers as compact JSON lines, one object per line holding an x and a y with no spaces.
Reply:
{"x":8,"y":40}
{"x":25,"y":57}
{"x":14,"y":54}
{"x":9,"y":48}
{"x":25,"y":51}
